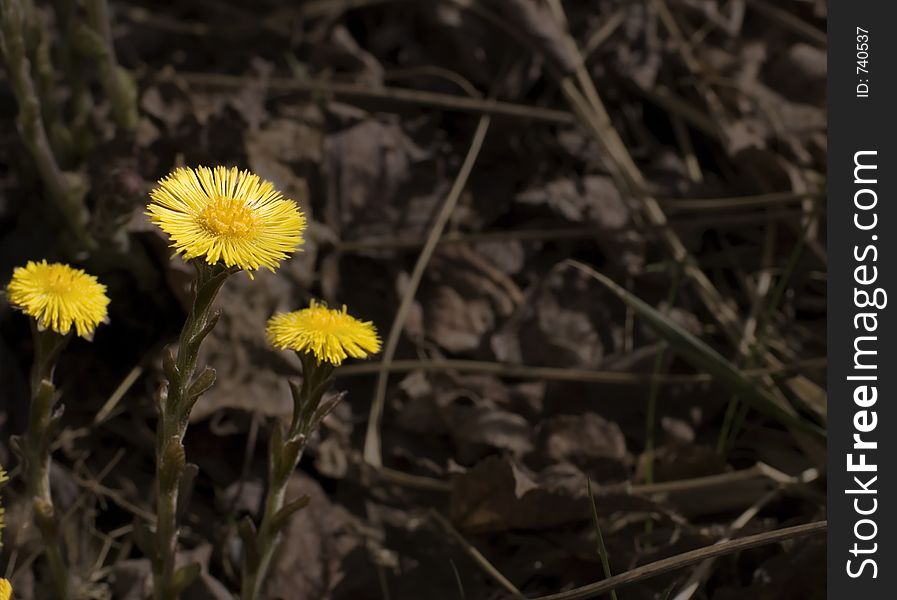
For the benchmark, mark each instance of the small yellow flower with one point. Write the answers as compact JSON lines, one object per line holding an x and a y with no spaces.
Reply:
{"x":59,"y":296}
{"x":5,"y":589}
{"x":226,"y":215}
{"x":330,"y":335}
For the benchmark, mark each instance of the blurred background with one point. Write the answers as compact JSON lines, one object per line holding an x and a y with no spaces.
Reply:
{"x":467,"y":166}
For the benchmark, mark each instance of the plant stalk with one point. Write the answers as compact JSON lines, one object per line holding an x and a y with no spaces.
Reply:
{"x":174,"y":403}
{"x":284,"y":452}
{"x":64,"y":189}
{"x":43,"y":425}
{"x":116,"y":81}
{"x":267,"y":540}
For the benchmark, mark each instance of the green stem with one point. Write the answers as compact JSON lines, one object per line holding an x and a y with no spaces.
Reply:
{"x":653,"y":391}
{"x":735,"y":413}
{"x":284,"y":455}
{"x":174,"y":405}
{"x":63,"y":188}
{"x":268,"y":537}
{"x":602,"y":549}
{"x":42,"y":425}
{"x":116,"y":81}
{"x":75,"y":131}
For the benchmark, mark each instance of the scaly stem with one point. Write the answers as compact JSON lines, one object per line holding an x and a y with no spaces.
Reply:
{"x":42,"y":427}
{"x":174,"y":404}
{"x":267,"y":540}
{"x":284,"y":455}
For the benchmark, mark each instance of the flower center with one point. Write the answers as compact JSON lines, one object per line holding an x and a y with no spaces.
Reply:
{"x":228,"y":217}
{"x":56,"y":283}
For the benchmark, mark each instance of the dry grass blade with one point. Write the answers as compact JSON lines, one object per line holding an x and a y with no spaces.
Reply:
{"x":485,"y":106}
{"x":704,"y":569}
{"x":586,"y":104}
{"x":561,"y":374}
{"x":713,"y":102}
{"x":776,"y":13}
{"x":589,"y":232}
{"x":372,"y":447}
{"x":315,"y":9}
{"x":731,"y":478}
{"x":119,"y":393}
{"x":598,"y":122}
{"x":409,"y":480}
{"x":601,"y":35}
{"x":476,"y":555}
{"x":773,"y":199}
{"x":685,"y":559}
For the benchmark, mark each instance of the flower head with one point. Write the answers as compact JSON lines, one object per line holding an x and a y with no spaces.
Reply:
{"x":59,"y":296}
{"x":226,"y":215}
{"x":328,"y":334}
{"x":5,"y":589}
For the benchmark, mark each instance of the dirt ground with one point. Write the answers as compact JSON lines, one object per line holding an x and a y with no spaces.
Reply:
{"x":467,"y":167}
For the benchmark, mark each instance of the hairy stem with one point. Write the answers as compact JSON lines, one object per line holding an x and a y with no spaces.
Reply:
{"x":174,"y":405}
{"x":284,"y":455}
{"x":42,"y":426}
{"x":267,"y":540}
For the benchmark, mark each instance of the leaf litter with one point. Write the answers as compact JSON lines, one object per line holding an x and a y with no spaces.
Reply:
{"x":507,"y":460}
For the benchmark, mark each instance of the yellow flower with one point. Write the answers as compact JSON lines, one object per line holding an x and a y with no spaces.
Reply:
{"x":330,"y":335}
{"x":226,"y":215}
{"x":59,"y":296}
{"x":5,"y":589}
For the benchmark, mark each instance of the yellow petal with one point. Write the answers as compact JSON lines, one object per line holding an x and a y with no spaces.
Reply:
{"x":330,"y":335}
{"x":228,"y":216}
{"x":5,"y":589}
{"x":59,"y":297}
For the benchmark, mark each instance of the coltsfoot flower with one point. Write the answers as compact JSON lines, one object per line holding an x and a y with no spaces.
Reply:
{"x":226,"y":215}
{"x":5,"y":589}
{"x":58,"y":297}
{"x":330,"y":335}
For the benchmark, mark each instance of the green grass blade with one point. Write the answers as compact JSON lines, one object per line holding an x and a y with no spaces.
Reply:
{"x":602,"y":550}
{"x":703,"y":357}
